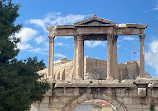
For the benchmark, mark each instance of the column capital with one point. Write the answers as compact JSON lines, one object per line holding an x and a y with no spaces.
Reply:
{"x":109,"y":34}
{"x":51,"y":38}
{"x":79,"y":37}
{"x":142,"y":36}
{"x":109,"y":37}
{"x":115,"y":37}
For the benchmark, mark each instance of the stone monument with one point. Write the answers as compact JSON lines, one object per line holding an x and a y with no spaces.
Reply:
{"x":126,"y":86}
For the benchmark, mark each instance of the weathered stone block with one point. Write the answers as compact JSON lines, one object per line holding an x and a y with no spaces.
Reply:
{"x":46,"y":100}
{"x":142,"y":92}
{"x":42,"y":105}
{"x":127,"y":100}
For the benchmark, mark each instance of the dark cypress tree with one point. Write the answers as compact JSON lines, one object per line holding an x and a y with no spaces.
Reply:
{"x":20,"y":85}
{"x":8,"y":14}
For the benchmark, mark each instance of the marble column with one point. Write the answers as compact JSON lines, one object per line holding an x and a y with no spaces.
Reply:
{"x":110,"y":57}
{"x":51,"y":58}
{"x":142,"y":71}
{"x":80,"y":58}
{"x":75,"y":51}
{"x":115,"y":63}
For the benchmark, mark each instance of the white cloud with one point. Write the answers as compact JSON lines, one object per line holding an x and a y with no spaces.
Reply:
{"x":154,"y":46}
{"x":56,"y":19}
{"x":40,"y":39}
{"x":68,"y":37}
{"x":59,"y":20}
{"x":46,"y":44}
{"x":129,"y":38}
{"x":32,"y":44}
{"x":39,"y":50}
{"x":25,"y":34}
{"x":59,"y":44}
{"x":93,"y":44}
{"x":156,"y":7}
{"x":151,"y":56}
{"x":24,"y":46}
{"x":59,"y":56}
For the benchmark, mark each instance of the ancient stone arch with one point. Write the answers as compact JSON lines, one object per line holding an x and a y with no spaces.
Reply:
{"x":126,"y":95}
{"x":72,"y":104}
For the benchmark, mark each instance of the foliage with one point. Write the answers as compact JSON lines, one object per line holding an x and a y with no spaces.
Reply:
{"x":8,"y":15}
{"x":20,"y":85}
{"x":152,"y":107}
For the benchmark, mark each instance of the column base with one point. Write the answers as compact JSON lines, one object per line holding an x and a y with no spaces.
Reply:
{"x":142,"y":76}
{"x":112,"y":80}
{"x":142,"y":80}
{"x":49,"y":77}
{"x":78,"y":78}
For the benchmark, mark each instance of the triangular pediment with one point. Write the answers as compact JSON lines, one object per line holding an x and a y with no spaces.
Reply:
{"x":95,"y":21}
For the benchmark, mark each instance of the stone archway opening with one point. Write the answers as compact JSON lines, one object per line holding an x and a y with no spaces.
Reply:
{"x":73,"y":103}
{"x":95,"y":105}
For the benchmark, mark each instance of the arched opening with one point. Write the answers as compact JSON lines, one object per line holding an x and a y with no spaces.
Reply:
{"x":95,"y":105}
{"x":116,"y":105}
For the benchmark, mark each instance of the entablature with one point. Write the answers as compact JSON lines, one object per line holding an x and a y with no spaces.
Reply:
{"x":95,"y":26}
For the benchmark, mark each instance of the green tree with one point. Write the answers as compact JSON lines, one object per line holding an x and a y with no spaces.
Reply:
{"x":20,"y":85}
{"x":8,"y":14}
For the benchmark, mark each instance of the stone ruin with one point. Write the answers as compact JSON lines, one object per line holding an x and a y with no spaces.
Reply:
{"x":94,"y":69}
{"x":95,"y":29}
{"x":126,"y":86}
{"x":82,"y":68}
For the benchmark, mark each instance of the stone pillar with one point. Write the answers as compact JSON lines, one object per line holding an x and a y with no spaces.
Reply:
{"x":51,"y":58}
{"x":80,"y":58}
{"x":110,"y":57}
{"x":75,"y":51}
{"x":142,"y":71}
{"x":115,"y":63}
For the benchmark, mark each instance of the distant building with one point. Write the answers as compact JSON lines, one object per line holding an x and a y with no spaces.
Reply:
{"x":96,"y":105}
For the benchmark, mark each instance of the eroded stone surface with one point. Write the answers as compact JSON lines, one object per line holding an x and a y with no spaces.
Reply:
{"x":121,"y":95}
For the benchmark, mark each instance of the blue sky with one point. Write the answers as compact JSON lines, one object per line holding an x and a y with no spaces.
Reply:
{"x":35,"y":15}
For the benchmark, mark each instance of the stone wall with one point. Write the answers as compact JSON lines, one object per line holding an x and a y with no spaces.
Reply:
{"x":124,"y":96}
{"x":129,"y":70}
{"x":94,"y":69}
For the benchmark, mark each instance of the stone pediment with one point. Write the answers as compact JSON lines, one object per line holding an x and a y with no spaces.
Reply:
{"x":95,"y":21}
